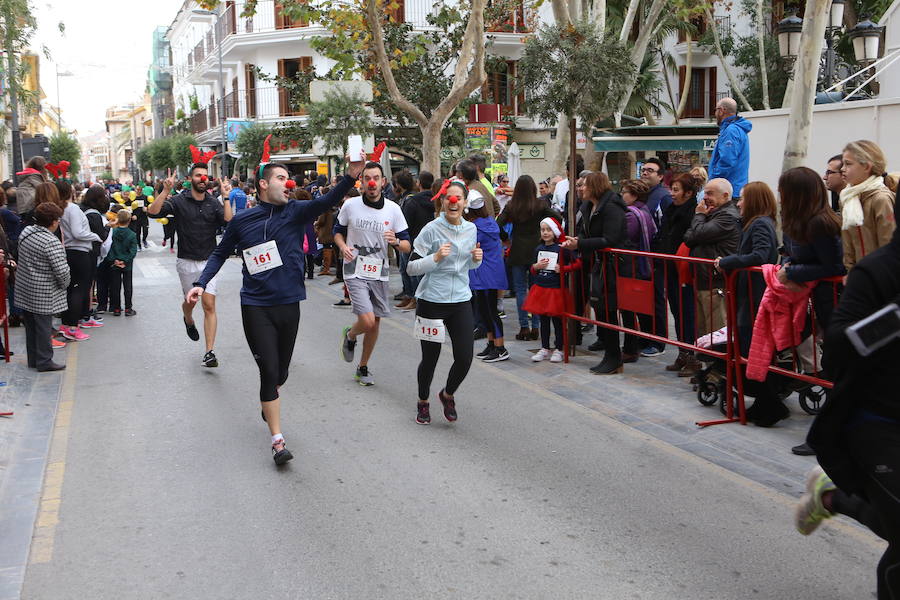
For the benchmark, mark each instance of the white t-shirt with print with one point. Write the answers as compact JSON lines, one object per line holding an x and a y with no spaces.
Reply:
{"x":365,"y":231}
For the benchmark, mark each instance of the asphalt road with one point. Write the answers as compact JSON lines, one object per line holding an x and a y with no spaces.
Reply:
{"x":164,"y":486}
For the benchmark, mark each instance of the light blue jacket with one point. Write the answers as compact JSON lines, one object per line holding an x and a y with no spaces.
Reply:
{"x":446,"y":281}
{"x":731,"y":157}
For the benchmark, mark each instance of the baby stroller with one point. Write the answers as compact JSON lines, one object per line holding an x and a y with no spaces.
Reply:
{"x":710,"y":381}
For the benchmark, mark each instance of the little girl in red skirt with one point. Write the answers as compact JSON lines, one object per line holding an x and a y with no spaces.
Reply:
{"x":548,"y":297}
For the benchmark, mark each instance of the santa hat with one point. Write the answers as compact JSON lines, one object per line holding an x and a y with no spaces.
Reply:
{"x":555,"y":227}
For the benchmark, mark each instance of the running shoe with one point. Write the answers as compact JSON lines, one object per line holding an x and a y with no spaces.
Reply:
{"x":191,"y":330}
{"x":342,"y":303}
{"x":90,"y":323}
{"x":210,"y":360}
{"x":96,"y":316}
{"x":73,"y":334}
{"x":348,"y":346}
{"x":557,"y":356}
{"x":810,"y":511}
{"x":540,"y":355}
{"x":497,"y":354}
{"x":651,"y":351}
{"x":449,"y":406}
{"x":364,"y":377}
{"x":130,"y":312}
{"x":57,"y":344}
{"x":423,"y":416}
{"x":280,"y":454}
{"x":487,"y":350}
{"x":502,"y":314}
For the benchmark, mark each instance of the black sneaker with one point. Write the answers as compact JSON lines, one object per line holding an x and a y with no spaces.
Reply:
{"x":449,"y":406}
{"x":364,"y":377}
{"x":130,"y":312}
{"x":280,"y":454}
{"x":348,"y":346}
{"x":423,"y":416}
{"x":210,"y":360}
{"x":487,"y":350}
{"x":497,"y":354}
{"x":191,"y":330}
{"x":342,"y":303}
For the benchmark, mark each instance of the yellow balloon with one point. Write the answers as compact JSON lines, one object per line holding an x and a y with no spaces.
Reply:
{"x":134,"y":206}
{"x":121,"y":201}
{"x":164,"y":221}
{"x":132,"y":195}
{"x":117,"y":196}
{"x":150,"y":199}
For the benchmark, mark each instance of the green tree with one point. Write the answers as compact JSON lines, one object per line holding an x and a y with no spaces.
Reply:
{"x":249,"y":144}
{"x":145,"y":158}
{"x":64,"y":146}
{"x":180,"y":150}
{"x":341,"y":114}
{"x":161,"y":154}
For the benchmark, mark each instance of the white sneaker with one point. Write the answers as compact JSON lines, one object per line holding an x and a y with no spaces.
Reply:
{"x":557,"y":356}
{"x":541,"y":355}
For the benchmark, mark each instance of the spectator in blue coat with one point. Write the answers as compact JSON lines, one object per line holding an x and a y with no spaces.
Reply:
{"x":237,"y":197}
{"x":731,"y":157}
{"x":488,"y":278}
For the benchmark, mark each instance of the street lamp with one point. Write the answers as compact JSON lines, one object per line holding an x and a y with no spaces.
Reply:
{"x":58,"y":105}
{"x":217,"y":37}
{"x":789,"y":30}
{"x":866,"y":38}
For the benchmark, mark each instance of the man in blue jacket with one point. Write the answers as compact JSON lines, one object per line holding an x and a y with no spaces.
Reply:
{"x":731,"y":157}
{"x":270,"y":238}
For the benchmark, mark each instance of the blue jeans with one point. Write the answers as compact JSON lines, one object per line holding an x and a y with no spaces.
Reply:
{"x":521,"y":281}
{"x":410,"y":283}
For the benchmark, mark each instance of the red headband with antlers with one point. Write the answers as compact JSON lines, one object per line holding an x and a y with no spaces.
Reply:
{"x":59,"y":170}
{"x":201,"y":157}
{"x":379,"y":150}
{"x":267,"y":150}
{"x":443,"y":189}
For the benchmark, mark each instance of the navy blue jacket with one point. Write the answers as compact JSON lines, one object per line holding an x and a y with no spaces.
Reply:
{"x":286,"y":224}
{"x":491,"y":275}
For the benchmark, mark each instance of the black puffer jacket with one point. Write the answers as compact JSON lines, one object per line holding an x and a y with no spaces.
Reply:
{"x":675,"y":222}
{"x":715,"y":234}
{"x":419,"y":212}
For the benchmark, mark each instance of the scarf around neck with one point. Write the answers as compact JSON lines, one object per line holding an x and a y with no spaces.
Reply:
{"x":851,"y":207}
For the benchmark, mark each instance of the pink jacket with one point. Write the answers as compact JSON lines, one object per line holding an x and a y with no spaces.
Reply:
{"x":779,"y":322}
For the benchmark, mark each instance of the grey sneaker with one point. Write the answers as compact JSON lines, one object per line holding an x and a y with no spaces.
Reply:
{"x":348,"y":346}
{"x":364,"y":377}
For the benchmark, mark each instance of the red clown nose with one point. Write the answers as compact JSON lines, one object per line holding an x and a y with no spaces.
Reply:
{"x":452,"y":199}
{"x":372,"y":185}
{"x":203,"y":178}
{"x":290,"y":184}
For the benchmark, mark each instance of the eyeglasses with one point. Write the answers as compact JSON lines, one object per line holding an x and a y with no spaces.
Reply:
{"x":830,"y":172}
{"x":649,"y":170}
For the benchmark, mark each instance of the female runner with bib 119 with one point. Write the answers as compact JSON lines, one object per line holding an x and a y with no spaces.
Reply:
{"x":444,"y":252}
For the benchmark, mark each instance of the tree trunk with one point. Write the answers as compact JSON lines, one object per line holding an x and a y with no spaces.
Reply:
{"x":629,"y":20}
{"x":638,"y":52}
{"x":686,"y":86}
{"x":665,"y":71}
{"x":806,"y":72}
{"x":731,"y":80}
{"x":560,"y":11}
{"x":431,"y":147}
{"x":598,"y":17}
{"x":761,"y":46}
{"x":562,"y":145}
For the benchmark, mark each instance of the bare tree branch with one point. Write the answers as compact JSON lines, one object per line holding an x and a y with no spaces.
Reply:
{"x":629,"y":20}
{"x":731,"y":80}
{"x":761,"y":47}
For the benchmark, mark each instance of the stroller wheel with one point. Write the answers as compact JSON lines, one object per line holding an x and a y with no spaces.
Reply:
{"x":707,"y":393}
{"x":812,"y":399}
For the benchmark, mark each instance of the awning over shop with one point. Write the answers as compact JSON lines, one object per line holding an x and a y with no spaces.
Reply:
{"x":657,"y":138}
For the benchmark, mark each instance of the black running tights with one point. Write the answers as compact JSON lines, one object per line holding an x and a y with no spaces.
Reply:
{"x":271,"y":332}
{"x":457,"y":317}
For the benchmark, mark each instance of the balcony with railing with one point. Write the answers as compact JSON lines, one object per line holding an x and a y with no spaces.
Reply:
{"x":199,"y":121}
{"x":259,"y":103}
{"x":511,"y":21}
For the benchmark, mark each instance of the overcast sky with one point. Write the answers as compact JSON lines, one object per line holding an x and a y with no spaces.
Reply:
{"x":107,"y":47}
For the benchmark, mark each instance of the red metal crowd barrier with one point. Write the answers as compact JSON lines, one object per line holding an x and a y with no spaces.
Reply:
{"x":4,"y":317}
{"x":643,"y":296}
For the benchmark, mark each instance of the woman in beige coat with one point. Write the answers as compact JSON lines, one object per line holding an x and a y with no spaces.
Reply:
{"x":867,"y":205}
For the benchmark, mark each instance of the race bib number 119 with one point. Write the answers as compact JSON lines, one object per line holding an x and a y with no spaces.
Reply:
{"x":430,"y":330}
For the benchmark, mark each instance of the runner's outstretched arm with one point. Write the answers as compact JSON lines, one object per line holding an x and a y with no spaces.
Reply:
{"x":313,"y":208}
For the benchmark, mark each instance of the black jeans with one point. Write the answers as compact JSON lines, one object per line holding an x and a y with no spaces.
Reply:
{"x":486,"y":304}
{"x":103,"y":279}
{"x":875,"y":449}
{"x":457,"y":317}
{"x":37,"y":339}
{"x":79,"y":292}
{"x":271,"y":333}
{"x":119,"y":278}
{"x":545,"y":331}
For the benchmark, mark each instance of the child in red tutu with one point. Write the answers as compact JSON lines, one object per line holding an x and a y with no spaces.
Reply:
{"x":547,"y":296}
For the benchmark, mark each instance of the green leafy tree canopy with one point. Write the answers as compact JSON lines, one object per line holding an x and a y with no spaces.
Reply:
{"x":569,"y":69}
{"x":64,"y":146}
{"x":341,"y":114}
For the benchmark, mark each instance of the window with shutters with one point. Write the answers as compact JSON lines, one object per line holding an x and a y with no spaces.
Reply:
{"x":283,"y":21}
{"x":500,"y":88}
{"x":289,"y":68}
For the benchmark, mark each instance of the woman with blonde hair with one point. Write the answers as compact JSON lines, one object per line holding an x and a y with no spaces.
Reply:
{"x":867,"y":204}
